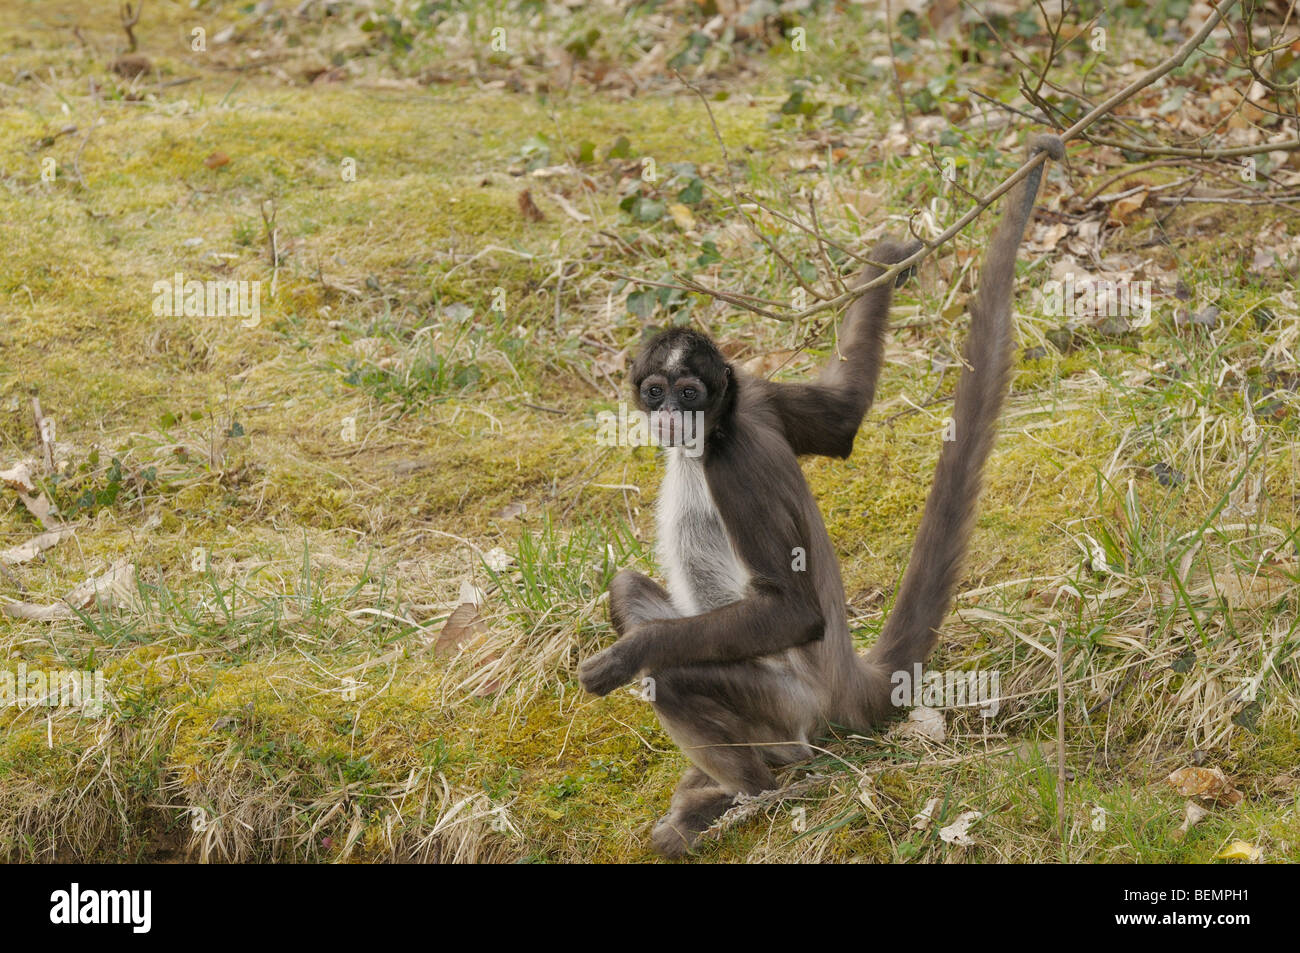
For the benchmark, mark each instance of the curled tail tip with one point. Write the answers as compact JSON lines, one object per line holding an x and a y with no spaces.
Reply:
{"x":1050,"y":143}
{"x":890,"y":251}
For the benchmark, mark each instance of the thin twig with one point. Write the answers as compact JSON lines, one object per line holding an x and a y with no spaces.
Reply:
{"x":801,"y":226}
{"x":889,"y":274}
{"x":753,"y":226}
{"x":1226,"y":153}
{"x":1060,"y":734}
{"x":898,"y":80}
{"x":129,"y":19}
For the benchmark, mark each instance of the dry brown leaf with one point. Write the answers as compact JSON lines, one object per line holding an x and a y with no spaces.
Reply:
{"x":611,"y":364}
{"x":497,"y":559}
{"x":40,"y":507}
{"x":217,"y":160}
{"x":19,"y":477}
{"x":528,"y":208}
{"x":860,"y":202}
{"x":1124,"y":209}
{"x":24,"y":552}
{"x":114,"y":587}
{"x":131,"y":64}
{"x":957,"y":831}
{"x":1210,"y":783}
{"x":1048,"y":237}
{"x":922,"y":722}
{"x":461,"y":625}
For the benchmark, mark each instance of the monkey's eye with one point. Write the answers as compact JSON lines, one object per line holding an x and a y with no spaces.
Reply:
{"x":654,"y":391}
{"x":689,"y":393}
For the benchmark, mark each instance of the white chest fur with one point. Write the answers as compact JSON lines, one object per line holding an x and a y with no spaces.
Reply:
{"x":696,"y":556}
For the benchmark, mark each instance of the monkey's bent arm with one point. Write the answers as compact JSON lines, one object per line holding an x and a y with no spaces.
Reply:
{"x":763,"y":623}
{"x":823,"y":418}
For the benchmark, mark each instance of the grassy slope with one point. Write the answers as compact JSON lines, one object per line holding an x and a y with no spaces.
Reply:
{"x":236,"y":731}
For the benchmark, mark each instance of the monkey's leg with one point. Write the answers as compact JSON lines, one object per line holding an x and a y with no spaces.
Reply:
{"x":697,"y":803}
{"x":735,"y":721}
{"x":635,"y":598}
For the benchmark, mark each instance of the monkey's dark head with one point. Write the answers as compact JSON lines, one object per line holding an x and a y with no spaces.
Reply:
{"x":682,"y":380}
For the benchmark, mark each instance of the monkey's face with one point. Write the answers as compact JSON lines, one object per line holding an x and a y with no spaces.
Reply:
{"x":676,"y":404}
{"x":682,"y":384}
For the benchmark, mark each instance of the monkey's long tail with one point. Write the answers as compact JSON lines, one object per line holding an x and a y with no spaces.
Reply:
{"x":924,"y":596}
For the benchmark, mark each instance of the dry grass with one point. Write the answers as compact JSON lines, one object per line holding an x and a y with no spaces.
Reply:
{"x":277,"y":690}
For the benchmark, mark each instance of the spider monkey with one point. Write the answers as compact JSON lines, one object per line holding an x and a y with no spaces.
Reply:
{"x":749,"y":646}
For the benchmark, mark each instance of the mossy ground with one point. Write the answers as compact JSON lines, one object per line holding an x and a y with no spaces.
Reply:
{"x":275,"y":690}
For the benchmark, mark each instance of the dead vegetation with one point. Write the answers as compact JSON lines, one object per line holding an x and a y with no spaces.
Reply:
{"x":338,"y":561}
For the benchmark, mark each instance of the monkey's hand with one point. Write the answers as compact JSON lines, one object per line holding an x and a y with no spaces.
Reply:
{"x":607,"y":670}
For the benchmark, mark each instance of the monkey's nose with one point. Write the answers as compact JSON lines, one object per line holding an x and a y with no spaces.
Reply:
{"x":665,"y":428}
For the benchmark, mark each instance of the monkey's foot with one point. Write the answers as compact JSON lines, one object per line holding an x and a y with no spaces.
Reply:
{"x":693,"y":811}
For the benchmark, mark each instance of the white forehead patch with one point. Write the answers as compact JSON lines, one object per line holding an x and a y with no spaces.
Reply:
{"x":674,"y":362}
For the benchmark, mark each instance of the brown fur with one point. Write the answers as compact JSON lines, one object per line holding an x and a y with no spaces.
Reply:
{"x":746,"y":687}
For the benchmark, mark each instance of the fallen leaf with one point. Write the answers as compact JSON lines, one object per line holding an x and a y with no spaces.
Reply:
{"x":764,"y":365}
{"x":1193,"y":816}
{"x":923,"y":820}
{"x":552,"y":171}
{"x":611,"y":364}
{"x":867,"y":791}
{"x":1263,"y":260}
{"x":131,"y":64}
{"x":511,"y":511}
{"x":1124,"y":209}
{"x":922,"y":722}
{"x":19,"y":477}
{"x":956,"y":832}
{"x":497,"y":559}
{"x":217,"y":160}
{"x":1208,"y":783}
{"x":1240,"y":850}
{"x":1050,"y":236}
{"x":528,"y":208}
{"x":682,"y":216}
{"x":29,"y":550}
{"x":463,"y":623}
{"x":471,"y":593}
{"x":114,"y":587}
{"x":40,"y":507}
{"x":568,"y":208}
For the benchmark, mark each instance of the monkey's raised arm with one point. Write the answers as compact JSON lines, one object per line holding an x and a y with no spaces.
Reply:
{"x":824,"y":417}
{"x":940,"y":545}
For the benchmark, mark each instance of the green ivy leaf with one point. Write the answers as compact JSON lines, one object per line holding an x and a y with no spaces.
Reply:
{"x":642,"y":303}
{"x":621,"y":149}
{"x":693,"y":194}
